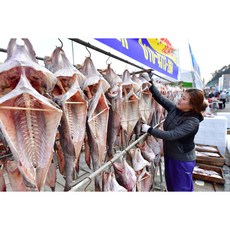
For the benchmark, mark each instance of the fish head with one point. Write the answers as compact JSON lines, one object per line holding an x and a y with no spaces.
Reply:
{"x":58,"y":89}
{"x":94,"y":88}
{"x":106,"y":181}
{"x":118,"y":168}
{"x":138,"y":161}
{"x":22,"y":57}
{"x":91,"y":90}
{"x":128,"y":84}
{"x":9,"y":80}
{"x":126,"y":89}
{"x":88,"y":69}
{"x":67,"y":82}
{"x":114,"y":92}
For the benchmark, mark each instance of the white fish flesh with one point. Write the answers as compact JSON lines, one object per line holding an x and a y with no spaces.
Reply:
{"x":207,"y":154}
{"x":206,"y":172}
{"x":138,"y":162}
{"x":206,"y":148}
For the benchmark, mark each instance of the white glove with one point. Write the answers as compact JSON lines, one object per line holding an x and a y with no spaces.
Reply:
{"x":145,"y":128}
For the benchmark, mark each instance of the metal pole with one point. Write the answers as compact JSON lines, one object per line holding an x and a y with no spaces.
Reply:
{"x":72,"y":52}
{"x":87,"y":44}
{"x":109,"y":163}
{"x":3,"y":50}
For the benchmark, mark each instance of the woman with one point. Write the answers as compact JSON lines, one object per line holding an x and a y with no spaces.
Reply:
{"x":180,"y":128}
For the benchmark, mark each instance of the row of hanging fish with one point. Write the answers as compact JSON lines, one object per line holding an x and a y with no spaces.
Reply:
{"x":59,"y":109}
{"x":136,"y":172}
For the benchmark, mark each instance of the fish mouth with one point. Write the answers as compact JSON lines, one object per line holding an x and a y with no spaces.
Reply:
{"x":118,"y":167}
{"x":113,"y":94}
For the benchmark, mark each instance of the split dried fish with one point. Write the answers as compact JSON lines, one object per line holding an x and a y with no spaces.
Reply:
{"x":29,"y":124}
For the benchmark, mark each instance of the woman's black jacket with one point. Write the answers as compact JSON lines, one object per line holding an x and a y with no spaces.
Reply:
{"x":179,"y":131}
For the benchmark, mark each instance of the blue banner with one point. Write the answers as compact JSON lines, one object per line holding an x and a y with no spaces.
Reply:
{"x":195,"y":65}
{"x":154,"y":53}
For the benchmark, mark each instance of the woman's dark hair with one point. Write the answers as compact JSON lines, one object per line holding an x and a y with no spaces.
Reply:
{"x":197,"y":100}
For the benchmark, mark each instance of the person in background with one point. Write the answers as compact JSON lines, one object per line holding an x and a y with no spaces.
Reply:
{"x":222,"y":98}
{"x":180,"y":127}
{"x":227,"y":97}
{"x":211,"y":94}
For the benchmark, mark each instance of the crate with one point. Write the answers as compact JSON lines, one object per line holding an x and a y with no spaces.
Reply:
{"x":209,"y":160}
{"x":212,"y":179}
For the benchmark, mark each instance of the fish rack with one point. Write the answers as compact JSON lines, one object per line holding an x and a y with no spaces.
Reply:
{"x":108,"y":164}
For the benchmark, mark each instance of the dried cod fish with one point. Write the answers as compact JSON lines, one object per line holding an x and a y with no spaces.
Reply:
{"x":110,"y":184}
{"x":96,"y":127}
{"x":72,"y":128}
{"x":138,"y":162}
{"x":144,"y":180}
{"x":147,"y":152}
{"x":130,"y":105}
{"x":94,"y":88}
{"x":69,"y":96}
{"x":146,"y":102}
{"x":29,"y":124}
{"x":114,"y":97}
{"x":125,"y":175}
